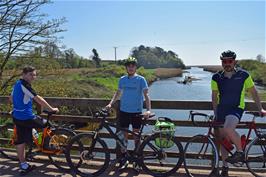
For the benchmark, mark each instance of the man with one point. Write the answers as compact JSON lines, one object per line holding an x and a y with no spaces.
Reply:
{"x":132,"y":87}
{"x":24,"y":118}
{"x":228,"y":92}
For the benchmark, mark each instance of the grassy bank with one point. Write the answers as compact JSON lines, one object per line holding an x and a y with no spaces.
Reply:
{"x":89,"y":82}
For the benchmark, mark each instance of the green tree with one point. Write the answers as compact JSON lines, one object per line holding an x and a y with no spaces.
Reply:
{"x":96,"y":58}
{"x":22,"y":26}
{"x":156,"y":57}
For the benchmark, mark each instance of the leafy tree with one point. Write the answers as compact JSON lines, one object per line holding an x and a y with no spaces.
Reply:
{"x":156,"y":57}
{"x":96,"y":58}
{"x":22,"y":26}
{"x":260,"y":58}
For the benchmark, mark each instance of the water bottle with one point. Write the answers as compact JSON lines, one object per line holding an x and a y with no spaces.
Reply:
{"x":228,"y":145}
{"x":40,"y":138}
{"x":35,"y":133}
{"x":243,"y":141}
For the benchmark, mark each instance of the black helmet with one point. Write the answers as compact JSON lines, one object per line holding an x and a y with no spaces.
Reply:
{"x":228,"y":54}
{"x":131,"y":60}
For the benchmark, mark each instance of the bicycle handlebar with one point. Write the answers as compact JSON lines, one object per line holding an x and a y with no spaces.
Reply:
{"x":192,"y":114}
{"x":254,"y":113}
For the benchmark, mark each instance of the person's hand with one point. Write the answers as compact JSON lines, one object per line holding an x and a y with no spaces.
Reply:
{"x":147,"y":114}
{"x":262,"y":112}
{"x":108,"y":107}
{"x":55,"y":110}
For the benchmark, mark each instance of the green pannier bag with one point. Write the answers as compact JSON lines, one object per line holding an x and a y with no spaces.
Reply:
{"x":166,"y":128}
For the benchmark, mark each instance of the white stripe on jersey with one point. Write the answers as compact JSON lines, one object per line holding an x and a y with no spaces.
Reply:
{"x":27,"y":94}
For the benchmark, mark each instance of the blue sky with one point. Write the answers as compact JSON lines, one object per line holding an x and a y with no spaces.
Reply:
{"x":198,"y":31}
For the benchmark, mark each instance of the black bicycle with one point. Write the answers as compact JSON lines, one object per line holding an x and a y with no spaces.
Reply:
{"x":89,"y":155}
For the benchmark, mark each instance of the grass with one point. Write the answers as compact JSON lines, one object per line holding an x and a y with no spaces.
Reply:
{"x":168,"y":72}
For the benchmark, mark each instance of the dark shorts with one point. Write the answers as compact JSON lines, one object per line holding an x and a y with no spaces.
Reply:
{"x":222,"y":112}
{"x":125,"y":119}
{"x":24,"y":129}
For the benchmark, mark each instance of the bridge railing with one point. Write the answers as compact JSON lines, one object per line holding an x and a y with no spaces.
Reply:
{"x":84,"y":103}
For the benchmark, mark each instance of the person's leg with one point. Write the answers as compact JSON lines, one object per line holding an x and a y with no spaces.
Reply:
{"x":24,"y":135}
{"x":21,"y":152}
{"x":136,"y":124}
{"x":229,"y":129}
{"x":231,"y":133}
{"x":124,"y":121}
{"x":224,"y":152}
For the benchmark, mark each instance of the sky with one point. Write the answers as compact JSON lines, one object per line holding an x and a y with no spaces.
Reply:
{"x":198,"y":31}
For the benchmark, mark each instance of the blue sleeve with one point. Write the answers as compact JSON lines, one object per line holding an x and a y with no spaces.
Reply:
{"x":144,"y":84}
{"x":120,"y":84}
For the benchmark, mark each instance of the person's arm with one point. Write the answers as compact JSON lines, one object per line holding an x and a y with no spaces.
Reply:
{"x":147,"y":102}
{"x":114,"y":99}
{"x":214,"y":101}
{"x":215,"y":92}
{"x":256,"y":99}
{"x":41,"y":101}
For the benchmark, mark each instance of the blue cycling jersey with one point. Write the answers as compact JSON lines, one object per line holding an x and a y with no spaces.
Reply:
{"x":22,"y":95}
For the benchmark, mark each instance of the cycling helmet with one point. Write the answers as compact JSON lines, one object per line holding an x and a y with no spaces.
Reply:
{"x":228,"y":55}
{"x":131,"y":60}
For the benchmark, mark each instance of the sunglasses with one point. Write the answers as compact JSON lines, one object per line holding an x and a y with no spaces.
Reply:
{"x":228,"y":61}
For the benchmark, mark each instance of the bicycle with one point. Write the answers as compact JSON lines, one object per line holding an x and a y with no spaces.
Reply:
{"x":52,"y":141}
{"x":90,"y":155}
{"x":207,"y":155}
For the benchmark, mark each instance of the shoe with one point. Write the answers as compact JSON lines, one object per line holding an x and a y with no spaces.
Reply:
{"x":23,"y":172}
{"x":236,"y":157}
{"x":123,"y":163}
{"x":224,"y":172}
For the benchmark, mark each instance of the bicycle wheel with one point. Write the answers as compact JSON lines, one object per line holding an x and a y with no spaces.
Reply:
{"x":58,"y":142}
{"x":6,"y":142}
{"x":158,"y":159}
{"x":256,"y":156}
{"x":84,"y":159}
{"x":200,"y":156}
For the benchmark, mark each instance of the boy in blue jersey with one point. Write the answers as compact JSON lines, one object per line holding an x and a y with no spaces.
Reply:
{"x":228,"y":93}
{"x":132,"y":88}
{"x":22,"y":97}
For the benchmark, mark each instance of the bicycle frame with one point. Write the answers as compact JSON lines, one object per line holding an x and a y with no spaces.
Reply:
{"x":251,"y":126}
{"x":40,"y":147}
{"x":107,"y":125}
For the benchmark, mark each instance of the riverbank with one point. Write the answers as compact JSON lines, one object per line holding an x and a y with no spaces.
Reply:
{"x":89,"y":82}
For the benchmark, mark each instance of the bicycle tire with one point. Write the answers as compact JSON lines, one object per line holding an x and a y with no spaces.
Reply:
{"x":7,"y":133}
{"x":87,"y":164}
{"x":255,"y":157}
{"x":207,"y":155}
{"x":152,"y":156}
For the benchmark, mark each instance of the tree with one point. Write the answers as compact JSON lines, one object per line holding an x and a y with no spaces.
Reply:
{"x":22,"y":27}
{"x":96,"y":58}
{"x":260,"y":58}
{"x":156,"y":57}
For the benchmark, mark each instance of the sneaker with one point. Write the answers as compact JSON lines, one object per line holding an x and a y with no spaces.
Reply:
{"x":23,"y":172}
{"x":236,"y":157}
{"x":224,"y":172}
{"x":123,"y":163}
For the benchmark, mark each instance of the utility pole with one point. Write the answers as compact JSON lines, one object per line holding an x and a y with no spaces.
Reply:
{"x":115,"y":53}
